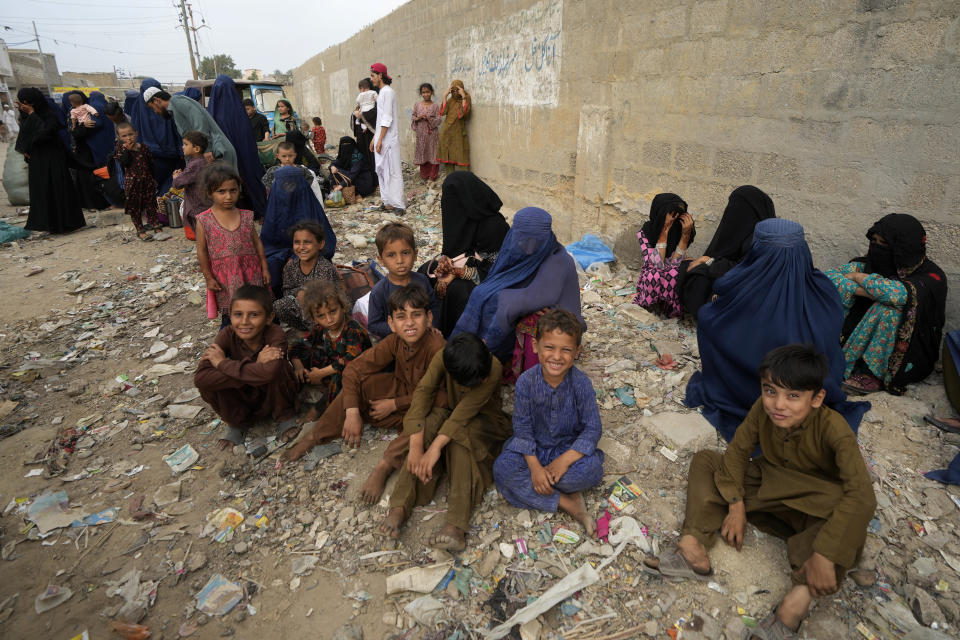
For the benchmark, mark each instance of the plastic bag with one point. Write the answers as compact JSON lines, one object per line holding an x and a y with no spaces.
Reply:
{"x":9,"y":233}
{"x":590,"y":249}
{"x":15,"y":181}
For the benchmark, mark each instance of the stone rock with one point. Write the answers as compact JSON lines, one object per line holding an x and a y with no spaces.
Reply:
{"x":488,"y":563}
{"x":925,"y":608}
{"x":530,"y":630}
{"x":651,"y":627}
{"x":76,"y":388}
{"x":635,"y":313}
{"x":687,"y":431}
{"x":346,"y":514}
{"x":925,"y":566}
{"x":620,"y":455}
{"x":196,"y":561}
{"x":305,"y":517}
{"x":240,"y":548}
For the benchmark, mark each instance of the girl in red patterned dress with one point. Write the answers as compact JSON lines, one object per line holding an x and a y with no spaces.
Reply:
{"x":319,"y":136}
{"x":426,"y":123}
{"x":228,"y":247}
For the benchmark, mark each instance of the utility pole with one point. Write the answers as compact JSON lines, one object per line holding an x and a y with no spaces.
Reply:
{"x":193,"y":27}
{"x":186,"y":32}
{"x":43,"y":60}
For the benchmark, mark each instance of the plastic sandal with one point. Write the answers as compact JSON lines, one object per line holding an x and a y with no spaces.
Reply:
{"x":950,"y":425}
{"x":672,"y":564}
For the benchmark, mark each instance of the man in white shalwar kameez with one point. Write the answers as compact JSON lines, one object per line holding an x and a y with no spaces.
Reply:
{"x":386,"y":141}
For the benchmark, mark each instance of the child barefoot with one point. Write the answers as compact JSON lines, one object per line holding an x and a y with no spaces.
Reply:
{"x":320,"y":357}
{"x":378,"y":387}
{"x":190,"y":179}
{"x":244,"y":374}
{"x":397,"y":250}
{"x":463,"y":439}
{"x":810,"y":486}
{"x":306,"y":265}
{"x":553,"y":456}
{"x":228,"y":248}
{"x":139,"y":185}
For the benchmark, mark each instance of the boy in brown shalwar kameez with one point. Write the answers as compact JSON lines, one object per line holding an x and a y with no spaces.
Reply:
{"x":381,"y":398}
{"x":810,"y":487}
{"x":244,"y":375}
{"x":465,"y":440}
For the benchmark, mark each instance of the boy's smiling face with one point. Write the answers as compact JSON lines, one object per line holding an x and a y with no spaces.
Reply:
{"x":556,"y":351}
{"x":249,"y":320}
{"x":410,"y":324}
{"x":788,"y":408}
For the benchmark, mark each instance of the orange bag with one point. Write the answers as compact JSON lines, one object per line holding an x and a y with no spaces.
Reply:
{"x":102,"y":172}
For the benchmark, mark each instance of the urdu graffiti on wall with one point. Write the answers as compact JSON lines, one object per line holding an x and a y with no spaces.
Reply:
{"x":513,"y":60}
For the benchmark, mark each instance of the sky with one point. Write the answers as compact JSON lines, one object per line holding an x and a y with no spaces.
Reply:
{"x":144,"y":37}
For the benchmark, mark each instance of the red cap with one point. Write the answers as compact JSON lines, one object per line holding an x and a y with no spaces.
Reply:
{"x":380,"y":68}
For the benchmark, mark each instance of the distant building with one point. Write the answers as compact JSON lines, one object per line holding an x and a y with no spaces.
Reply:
{"x":254,"y":74}
{"x":7,"y":80}
{"x":90,"y":79}
{"x":28,"y":68}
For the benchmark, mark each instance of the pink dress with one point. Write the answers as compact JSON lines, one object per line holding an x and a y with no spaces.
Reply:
{"x":657,"y":284}
{"x":233,"y":255}
{"x":428,"y":132}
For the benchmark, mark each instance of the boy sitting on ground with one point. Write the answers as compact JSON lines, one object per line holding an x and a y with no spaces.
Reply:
{"x":810,"y":487}
{"x":375,"y":393}
{"x":552,"y":456}
{"x":397,"y":251}
{"x":244,"y":375}
{"x":468,"y":436}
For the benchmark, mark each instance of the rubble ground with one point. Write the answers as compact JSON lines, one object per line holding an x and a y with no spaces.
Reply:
{"x":98,"y":351}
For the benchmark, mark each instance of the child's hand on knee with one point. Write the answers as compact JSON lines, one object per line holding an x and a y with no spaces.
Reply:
{"x":821,"y":575}
{"x":542,"y":481}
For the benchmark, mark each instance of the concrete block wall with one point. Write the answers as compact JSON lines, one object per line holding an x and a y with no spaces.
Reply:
{"x":842,"y":110}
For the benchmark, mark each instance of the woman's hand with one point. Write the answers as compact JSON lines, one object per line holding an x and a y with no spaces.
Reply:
{"x":333,"y":169}
{"x":696,"y":263}
{"x":686,"y":224}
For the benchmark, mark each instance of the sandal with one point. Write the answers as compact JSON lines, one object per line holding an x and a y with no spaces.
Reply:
{"x":144,"y":236}
{"x":949,"y":425}
{"x":674,"y":565}
{"x":860,"y":384}
{"x":770,"y":628}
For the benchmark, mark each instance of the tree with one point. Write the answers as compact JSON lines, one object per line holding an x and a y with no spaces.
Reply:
{"x":254,"y":76}
{"x":210,"y":67}
{"x":283,"y":77}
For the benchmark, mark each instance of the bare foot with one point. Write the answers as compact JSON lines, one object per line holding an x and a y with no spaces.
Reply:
{"x":390,"y":526}
{"x":695,"y":554}
{"x":373,"y":488}
{"x":290,"y":434}
{"x":574,"y":504}
{"x":223,"y":444}
{"x":450,"y":538}
{"x":296,"y":452}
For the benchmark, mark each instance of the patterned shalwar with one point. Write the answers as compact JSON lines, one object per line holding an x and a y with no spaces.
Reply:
{"x":657,"y":284}
{"x":548,"y":422}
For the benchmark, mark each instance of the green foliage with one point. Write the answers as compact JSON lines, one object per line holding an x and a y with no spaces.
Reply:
{"x":210,"y":67}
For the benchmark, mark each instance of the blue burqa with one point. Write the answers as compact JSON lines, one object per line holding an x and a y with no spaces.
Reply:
{"x":158,"y":133}
{"x":226,"y":107}
{"x":773,"y":297}
{"x":101,"y":141}
{"x":191,"y":92}
{"x":533,"y":271}
{"x":950,"y":475}
{"x":291,"y":201}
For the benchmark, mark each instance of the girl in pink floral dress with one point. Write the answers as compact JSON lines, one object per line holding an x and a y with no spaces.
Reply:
{"x":426,"y":122}
{"x":228,"y":247}
{"x":664,"y":240}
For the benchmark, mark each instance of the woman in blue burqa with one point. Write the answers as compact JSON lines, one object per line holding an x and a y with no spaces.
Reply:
{"x":226,"y":107}
{"x":93,"y":144}
{"x":158,"y":133}
{"x":773,"y":297}
{"x":291,"y":200}
{"x":532,"y":272}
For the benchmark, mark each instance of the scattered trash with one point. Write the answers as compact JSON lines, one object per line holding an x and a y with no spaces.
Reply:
{"x":565,"y":536}
{"x":622,"y":492}
{"x":182,"y":459}
{"x":218,"y":596}
{"x":131,"y":631}
{"x":419,"y":579}
{"x":221,"y":524}
{"x":50,"y":510}
{"x":53,"y":596}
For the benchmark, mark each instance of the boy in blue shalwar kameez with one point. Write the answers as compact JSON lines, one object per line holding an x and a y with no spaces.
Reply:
{"x":552,"y":456}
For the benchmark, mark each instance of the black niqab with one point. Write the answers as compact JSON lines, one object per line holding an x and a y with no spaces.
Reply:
{"x":663,"y":204}
{"x":747,"y":206}
{"x":470,"y":216}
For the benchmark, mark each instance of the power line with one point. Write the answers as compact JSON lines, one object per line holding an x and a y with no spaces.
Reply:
{"x":111,"y":6}
{"x":58,"y":41}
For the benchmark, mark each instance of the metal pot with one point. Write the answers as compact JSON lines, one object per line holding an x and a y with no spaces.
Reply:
{"x":174,"y":207}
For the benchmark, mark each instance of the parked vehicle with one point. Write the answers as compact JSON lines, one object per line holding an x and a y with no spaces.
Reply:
{"x":264,"y":94}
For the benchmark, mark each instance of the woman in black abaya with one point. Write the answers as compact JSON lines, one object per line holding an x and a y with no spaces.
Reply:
{"x":54,"y":203}
{"x":473,"y":232}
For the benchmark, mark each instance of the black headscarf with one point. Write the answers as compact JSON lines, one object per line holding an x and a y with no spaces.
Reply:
{"x":664,"y":203}
{"x":746,"y":207}
{"x":470,"y":216}
{"x":904,"y":258}
{"x":345,"y":151}
{"x":34,"y":98}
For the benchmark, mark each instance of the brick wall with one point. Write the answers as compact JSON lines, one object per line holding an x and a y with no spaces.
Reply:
{"x":842,"y":110}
